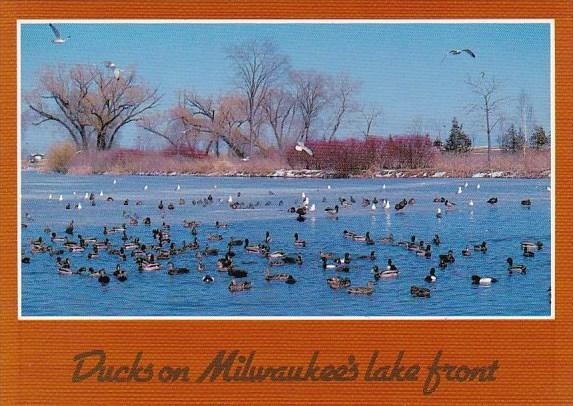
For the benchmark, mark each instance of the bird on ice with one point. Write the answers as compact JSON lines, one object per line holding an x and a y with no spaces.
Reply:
{"x":471,"y":203}
{"x":459,"y":190}
{"x":58,"y":40}
{"x":114,"y":181}
{"x":478,"y":186}
{"x":373,"y":206}
{"x":50,"y":197}
{"x":384,"y":186}
{"x":178,"y":187}
{"x":145,"y":187}
{"x":300,"y":147}
{"x":61,"y":198}
{"x":313,"y":207}
{"x":101,"y":192}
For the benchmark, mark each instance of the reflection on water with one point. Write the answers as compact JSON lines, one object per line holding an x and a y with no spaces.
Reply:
{"x":503,"y":226}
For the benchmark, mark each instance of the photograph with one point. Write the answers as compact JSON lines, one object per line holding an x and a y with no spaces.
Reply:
{"x":322,"y":169}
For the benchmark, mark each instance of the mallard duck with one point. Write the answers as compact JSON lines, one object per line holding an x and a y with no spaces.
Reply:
{"x":344,"y":260}
{"x":326,"y":265}
{"x":103,"y":278}
{"x":338,"y":283}
{"x":371,"y":257}
{"x":221,"y":225}
{"x":332,"y":211}
{"x":276,"y":277}
{"x":389,"y":272}
{"x":487,"y":280}
{"x":236,"y":273}
{"x":252,"y":248}
{"x":235,"y":243}
{"x":436,"y":240}
{"x":449,"y":205}
{"x":149,"y":266}
{"x":481,"y":247}
{"x":120,"y":275}
{"x":526,"y":203}
{"x":201,"y":266}
{"x":419,"y":292}
{"x":389,"y":239}
{"x":532,"y":245}
{"x":208,"y":279}
{"x":431,"y":277}
{"x":527,"y":252}
{"x":235,"y":286}
{"x":362,"y":290}
{"x":298,"y":242}
{"x":214,"y":237}
{"x":210,"y":251}
{"x":171,"y":270}
{"x":511,"y":268}
{"x":492,"y":200}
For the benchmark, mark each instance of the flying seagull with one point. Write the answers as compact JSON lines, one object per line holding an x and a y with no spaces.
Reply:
{"x":58,"y":40}
{"x":110,"y":65}
{"x":459,"y":51}
{"x":300,"y":147}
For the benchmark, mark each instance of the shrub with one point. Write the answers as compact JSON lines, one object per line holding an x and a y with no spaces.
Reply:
{"x":351,"y":155}
{"x":59,"y":157}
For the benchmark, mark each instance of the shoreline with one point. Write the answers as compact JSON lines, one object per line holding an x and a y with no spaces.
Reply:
{"x":320,"y":174}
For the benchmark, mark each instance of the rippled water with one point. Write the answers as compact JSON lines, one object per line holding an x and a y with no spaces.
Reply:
{"x":45,"y":292}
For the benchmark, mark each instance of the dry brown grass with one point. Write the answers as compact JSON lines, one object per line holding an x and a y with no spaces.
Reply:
{"x":535,"y":163}
{"x":59,"y":157}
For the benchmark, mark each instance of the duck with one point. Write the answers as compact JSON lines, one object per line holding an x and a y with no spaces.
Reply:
{"x":235,"y":286}
{"x":214,"y":237}
{"x":492,"y":200}
{"x":481,"y":247}
{"x":527,"y":252}
{"x":448,"y":258}
{"x":201,"y":266}
{"x":326,"y":265}
{"x":362,"y":290}
{"x":526,"y":203}
{"x":25,"y":260}
{"x":298,"y":242}
{"x":149,"y":266}
{"x":466,"y":252}
{"x":208,"y":279}
{"x":218,"y":224}
{"x":332,"y":211}
{"x":338,"y":283}
{"x":120,"y":274}
{"x":211,"y":251}
{"x":70,"y":228}
{"x":436,"y":240}
{"x":171,"y":270}
{"x":532,"y":245}
{"x":283,"y":277}
{"x":251,"y":248}
{"x":511,"y":268}
{"x":236,"y":273}
{"x":103,"y":278}
{"x":449,"y":205}
{"x":386,"y":274}
{"x":484,"y":281}
{"x":431,"y":277}
{"x":389,"y":239}
{"x":371,"y":256}
{"x":419,"y":292}
{"x":268,"y":238}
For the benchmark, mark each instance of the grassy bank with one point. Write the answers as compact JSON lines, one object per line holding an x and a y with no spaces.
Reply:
{"x":63,"y":159}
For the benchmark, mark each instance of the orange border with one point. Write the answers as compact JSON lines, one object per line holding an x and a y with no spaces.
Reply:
{"x":535,"y":355}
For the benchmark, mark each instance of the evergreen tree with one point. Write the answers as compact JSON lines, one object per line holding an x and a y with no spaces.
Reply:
{"x":513,"y":140}
{"x":458,"y":141}
{"x":539,"y":139}
{"x":438,"y":143}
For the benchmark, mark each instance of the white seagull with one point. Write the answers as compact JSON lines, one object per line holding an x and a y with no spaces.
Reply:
{"x":471,"y":203}
{"x":478,"y":186}
{"x":373,"y":206}
{"x":312,"y":208}
{"x":58,"y":40}
{"x":459,"y":190}
{"x":178,"y":187}
{"x":145,"y":187}
{"x":300,"y":147}
{"x":50,"y":197}
{"x":459,"y":51}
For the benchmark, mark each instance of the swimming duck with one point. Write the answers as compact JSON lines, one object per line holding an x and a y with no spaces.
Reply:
{"x":103,"y":278}
{"x":283,"y":277}
{"x":210,"y":251}
{"x":220,"y":225}
{"x":401,"y":204}
{"x":478,"y":280}
{"x":331,"y":211}
{"x":268,"y":238}
{"x":298,"y":242}
{"x":362,"y":290}
{"x":326,"y":265}
{"x":338,"y":283}
{"x":492,"y":200}
{"x":25,"y":260}
{"x":149,"y":266}
{"x":208,"y":279}
{"x":466,"y":252}
{"x":70,"y":228}
{"x":436,"y":240}
{"x":214,"y":237}
{"x":511,"y":268}
{"x":449,"y":204}
{"x":344,"y":260}
{"x":120,"y":274}
{"x":371,"y":256}
{"x":201,"y":266}
{"x":431,"y":277}
{"x":235,"y":286}
{"x":171,"y":270}
{"x":527,"y":252}
{"x":389,"y":239}
{"x":252,"y":248}
{"x":526,"y":203}
{"x":531,"y":245}
{"x":236,"y":273}
{"x":481,"y":247}
{"x":419,"y":292}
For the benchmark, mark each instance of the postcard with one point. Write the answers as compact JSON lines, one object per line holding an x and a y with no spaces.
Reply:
{"x":277,"y":204}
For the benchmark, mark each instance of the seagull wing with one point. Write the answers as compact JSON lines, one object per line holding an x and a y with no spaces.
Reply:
{"x":455,"y":52}
{"x":307,"y":150}
{"x":469,"y":51}
{"x":116,"y":73}
{"x":55,"y":30}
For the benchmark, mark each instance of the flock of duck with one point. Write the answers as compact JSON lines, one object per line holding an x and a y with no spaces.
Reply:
{"x":157,"y":251}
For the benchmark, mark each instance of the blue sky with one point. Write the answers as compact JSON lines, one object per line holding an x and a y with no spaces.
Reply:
{"x":398,"y":65}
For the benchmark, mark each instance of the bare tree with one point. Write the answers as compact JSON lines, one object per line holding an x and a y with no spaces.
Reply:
{"x":311,"y":98}
{"x":342,"y":90}
{"x":280,"y":111}
{"x":489,"y":104}
{"x":371,"y":115}
{"x":257,"y":66}
{"x":416,"y":126}
{"x":90,"y":102}
{"x":526,"y":116}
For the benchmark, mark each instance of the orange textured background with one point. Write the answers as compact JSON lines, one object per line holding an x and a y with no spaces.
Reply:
{"x":535,"y":355}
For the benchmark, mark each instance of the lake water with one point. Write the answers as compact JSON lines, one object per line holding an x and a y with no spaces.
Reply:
{"x":503,"y":226}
